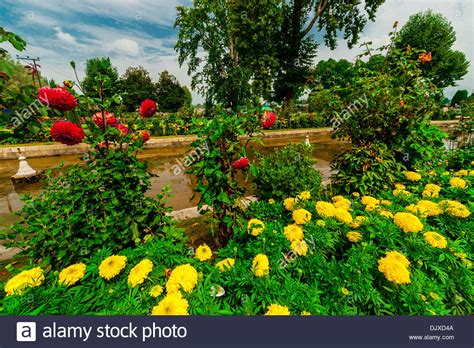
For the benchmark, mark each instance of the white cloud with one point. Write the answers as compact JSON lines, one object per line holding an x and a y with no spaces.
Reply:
{"x":125,"y":46}
{"x":65,"y":37}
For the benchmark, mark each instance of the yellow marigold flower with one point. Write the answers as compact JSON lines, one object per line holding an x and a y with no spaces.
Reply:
{"x":398,"y":192}
{"x":343,"y":204}
{"x":299,"y":247}
{"x":321,"y":223}
{"x":203,"y":252}
{"x":412,"y":176}
{"x":172,"y":304}
{"x":431,"y":208}
{"x":72,"y":274}
{"x":354,"y":236}
{"x":399,"y":186}
{"x":276,"y":309}
{"x":301,"y":216}
{"x":399,"y":257}
{"x":140,"y":272}
{"x":455,"y":208}
{"x":435,"y":240}
{"x":325,"y":209}
{"x":385,"y":202}
{"x":304,"y":196}
{"x":261,"y":265}
{"x":355,"y":194}
{"x":289,"y":203}
{"x":386,"y":213}
{"x":471,"y":173}
{"x":293,"y":232}
{"x":29,"y":278}
{"x":271,"y":201}
{"x":368,"y":200}
{"x":182,"y":277}
{"x":156,"y":291}
{"x":371,"y":207}
{"x":226,"y":264}
{"x":415,"y":209}
{"x":429,"y":194}
{"x":432,"y":188}
{"x":255,"y":227}
{"x":112,"y":266}
{"x":458,"y":183}
{"x":408,"y":222}
{"x":359,"y":221}
{"x":338,"y":198}
{"x":395,"y":268}
{"x":343,"y":216}
{"x":305,"y":313}
{"x":461,"y":173}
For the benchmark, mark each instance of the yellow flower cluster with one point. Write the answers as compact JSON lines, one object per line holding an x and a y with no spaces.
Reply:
{"x":458,"y":183}
{"x":203,"y":252}
{"x":358,"y":221}
{"x":172,"y":304}
{"x":183,"y":277}
{"x":435,"y":240}
{"x":343,"y":216}
{"x":112,"y":266}
{"x":431,"y":190}
{"x":354,"y":236}
{"x":425,"y":208}
{"x":23,"y":280}
{"x":400,"y":189}
{"x":299,"y":247}
{"x":412,"y":176}
{"x":386,"y":213}
{"x":140,"y":272}
{"x":369,"y":200}
{"x":255,"y":227}
{"x":461,"y":173}
{"x":72,"y":274}
{"x":454,"y":208}
{"x":301,"y":216}
{"x":289,"y":203}
{"x":304,"y":196}
{"x":156,"y":291}
{"x":325,"y":209}
{"x":408,"y":222}
{"x":225,"y":264}
{"x":321,"y":223}
{"x":276,"y":309}
{"x":341,"y":202}
{"x":261,"y":265}
{"x":293,"y":232}
{"x":395,"y":267}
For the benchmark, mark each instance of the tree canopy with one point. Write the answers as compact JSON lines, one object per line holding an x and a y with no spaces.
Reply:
{"x":170,"y":94}
{"x":137,"y":84}
{"x":433,"y":33}
{"x":100,"y":68}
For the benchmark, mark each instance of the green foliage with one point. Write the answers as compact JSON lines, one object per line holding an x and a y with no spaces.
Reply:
{"x":15,"y":40}
{"x":330,"y":73}
{"x":285,"y":172}
{"x":170,"y":94}
{"x":433,"y":33}
{"x":365,"y":168}
{"x":323,"y":101}
{"x":459,"y":96}
{"x":137,"y":86}
{"x":217,"y":147}
{"x":100,"y":71}
{"x":87,"y":207}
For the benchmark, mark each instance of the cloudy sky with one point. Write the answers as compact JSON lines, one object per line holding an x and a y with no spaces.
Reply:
{"x":140,"y":32}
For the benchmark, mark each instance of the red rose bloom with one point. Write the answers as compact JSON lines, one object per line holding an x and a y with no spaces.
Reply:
{"x":109,"y":117}
{"x":123,"y":129}
{"x":57,"y":98}
{"x":425,"y":57}
{"x":241,"y":163}
{"x":147,"y":108}
{"x":268,"y":119}
{"x":145,"y":135}
{"x":66,"y":132}
{"x":402,"y":102}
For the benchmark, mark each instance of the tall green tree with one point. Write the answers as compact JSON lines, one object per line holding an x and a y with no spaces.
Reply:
{"x":433,"y":33}
{"x":459,"y":96}
{"x":137,"y":84}
{"x":100,"y":69}
{"x":170,"y":94}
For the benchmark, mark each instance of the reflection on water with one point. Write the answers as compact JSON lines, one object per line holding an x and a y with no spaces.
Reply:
{"x":161,"y":161}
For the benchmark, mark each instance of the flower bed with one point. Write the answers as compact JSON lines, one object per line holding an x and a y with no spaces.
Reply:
{"x":405,"y":250}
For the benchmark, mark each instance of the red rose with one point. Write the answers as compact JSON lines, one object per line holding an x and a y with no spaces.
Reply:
{"x":123,"y":129}
{"x":147,"y":108}
{"x":66,"y":132}
{"x":109,"y":117}
{"x":145,"y":135}
{"x":402,"y":102}
{"x":57,"y":98}
{"x":241,"y":163}
{"x":425,"y":57}
{"x":268,"y":119}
